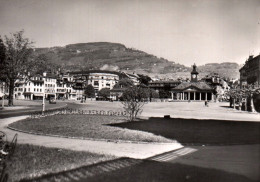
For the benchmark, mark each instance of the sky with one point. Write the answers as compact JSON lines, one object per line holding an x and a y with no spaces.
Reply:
{"x":183,"y":31}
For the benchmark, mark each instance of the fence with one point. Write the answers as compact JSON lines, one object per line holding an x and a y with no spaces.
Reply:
{"x":68,"y":111}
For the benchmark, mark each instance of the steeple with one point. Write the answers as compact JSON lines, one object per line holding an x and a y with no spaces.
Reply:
{"x":194,"y":74}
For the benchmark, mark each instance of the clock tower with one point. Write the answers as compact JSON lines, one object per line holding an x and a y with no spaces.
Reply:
{"x":194,"y":74}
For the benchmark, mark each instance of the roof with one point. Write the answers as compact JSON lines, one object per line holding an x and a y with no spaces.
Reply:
{"x":165,"y":81}
{"x":95,"y":71}
{"x":196,"y":85}
{"x":41,"y":81}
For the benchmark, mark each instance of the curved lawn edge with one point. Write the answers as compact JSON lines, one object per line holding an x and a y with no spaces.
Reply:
{"x":91,"y":139}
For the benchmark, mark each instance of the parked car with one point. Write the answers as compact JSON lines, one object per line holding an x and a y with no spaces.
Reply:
{"x":52,"y":101}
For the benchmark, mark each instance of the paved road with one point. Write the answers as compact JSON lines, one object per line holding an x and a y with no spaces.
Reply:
{"x":215,"y":163}
{"x":237,"y":161}
{"x":21,"y":111}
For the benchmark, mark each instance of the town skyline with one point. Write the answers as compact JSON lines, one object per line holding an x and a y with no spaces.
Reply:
{"x":181,"y":31}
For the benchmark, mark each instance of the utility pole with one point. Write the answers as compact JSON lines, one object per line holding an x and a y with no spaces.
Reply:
{"x":43,"y":102}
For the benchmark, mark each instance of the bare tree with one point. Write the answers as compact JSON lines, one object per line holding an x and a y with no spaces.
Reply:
{"x":133,"y":101}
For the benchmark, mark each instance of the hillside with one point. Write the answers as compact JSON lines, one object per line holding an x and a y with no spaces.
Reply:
{"x":225,"y":69}
{"x":114,"y":56}
{"x":104,"y":55}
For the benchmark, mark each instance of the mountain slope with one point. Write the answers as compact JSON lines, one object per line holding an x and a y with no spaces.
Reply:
{"x":115,"y":56}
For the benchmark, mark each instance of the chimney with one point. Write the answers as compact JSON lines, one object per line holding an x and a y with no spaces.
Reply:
{"x":44,"y":74}
{"x":250,"y":57}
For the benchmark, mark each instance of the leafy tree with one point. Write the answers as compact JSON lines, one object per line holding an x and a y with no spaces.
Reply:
{"x":144,"y":79}
{"x":104,"y":92}
{"x":89,"y":91}
{"x":164,"y":94}
{"x":153,"y":94}
{"x":17,"y":60}
{"x":124,"y":83}
{"x":247,"y":94}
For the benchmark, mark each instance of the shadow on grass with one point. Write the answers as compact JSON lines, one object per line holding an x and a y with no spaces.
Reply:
{"x":157,"y":171}
{"x":193,"y":131}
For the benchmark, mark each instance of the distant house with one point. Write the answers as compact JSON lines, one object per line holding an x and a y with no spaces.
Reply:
{"x":3,"y":89}
{"x":250,"y":72}
{"x":134,"y":77}
{"x":99,"y":79}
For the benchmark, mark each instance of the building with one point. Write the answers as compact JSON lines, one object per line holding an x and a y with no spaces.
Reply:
{"x":194,"y":90}
{"x":134,"y":77}
{"x":164,"y":85}
{"x":99,"y":79}
{"x":102,"y":80}
{"x":250,"y":72}
{"x":35,"y":87}
{"x":3,"y":89}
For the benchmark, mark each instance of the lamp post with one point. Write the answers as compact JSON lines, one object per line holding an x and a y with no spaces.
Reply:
{"x":43,"y":102}
{"x":3,"y":98}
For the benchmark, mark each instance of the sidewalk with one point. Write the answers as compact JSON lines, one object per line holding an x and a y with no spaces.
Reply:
{"x":132,"y":150}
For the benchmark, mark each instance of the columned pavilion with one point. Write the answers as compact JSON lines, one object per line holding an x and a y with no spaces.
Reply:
{"x":194,"y":90}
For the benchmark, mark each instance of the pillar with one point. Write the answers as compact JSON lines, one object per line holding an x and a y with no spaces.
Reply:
{"x":194,"y":93}
{"x":211,"y":96}
{"x":31,"y":96}
{"x":172,"y":95}
{"x":188,"y":95}
{"x":206,"y":96}
{"x":200,"y":95}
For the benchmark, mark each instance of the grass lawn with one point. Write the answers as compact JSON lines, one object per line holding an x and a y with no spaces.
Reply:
{"x":168,"y":172}
{"x":86,"y":126}
{"x":193,"y":131}
{"x":31,"y":161}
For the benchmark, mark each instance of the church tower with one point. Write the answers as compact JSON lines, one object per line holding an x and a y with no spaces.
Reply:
{"x":194,"y":74}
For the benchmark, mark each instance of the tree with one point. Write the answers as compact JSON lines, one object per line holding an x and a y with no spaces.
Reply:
{"x":144,"y":79}
{"x":133,"y":101}
{"x":89,"y":91}
{"x":124,"y":83}
{"x":164,"y":94}
{"x":104,"y":92}
{"x":247,"y":94}
{"x":17,"y":61}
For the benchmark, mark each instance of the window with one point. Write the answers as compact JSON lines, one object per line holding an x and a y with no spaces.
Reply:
{"x":96,"y":83}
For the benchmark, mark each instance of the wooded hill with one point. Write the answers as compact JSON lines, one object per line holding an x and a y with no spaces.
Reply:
{"x":114,"y":56}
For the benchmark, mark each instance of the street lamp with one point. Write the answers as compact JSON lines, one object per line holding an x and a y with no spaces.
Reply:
{"x":43,"y":100}
{"x":3,"y":97}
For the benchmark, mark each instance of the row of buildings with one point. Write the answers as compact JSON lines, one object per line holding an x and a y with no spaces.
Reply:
{"x":65,"y":86}
{"x":71,"y":85}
